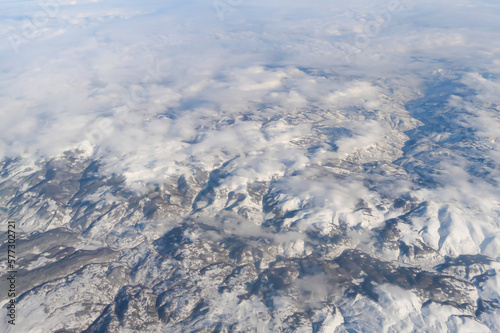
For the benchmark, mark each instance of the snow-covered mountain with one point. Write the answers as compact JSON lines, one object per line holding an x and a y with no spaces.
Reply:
{"x":264,"y":167}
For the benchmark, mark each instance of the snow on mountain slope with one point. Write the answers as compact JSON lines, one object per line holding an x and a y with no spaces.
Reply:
{"x":263,"y":167}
